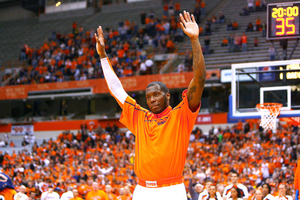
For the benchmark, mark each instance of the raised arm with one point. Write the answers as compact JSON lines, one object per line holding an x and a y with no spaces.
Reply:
{"x":113,"y":82}
{"x":195,"y":89}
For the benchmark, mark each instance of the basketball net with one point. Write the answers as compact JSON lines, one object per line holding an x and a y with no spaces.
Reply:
{"x":269,"y":113}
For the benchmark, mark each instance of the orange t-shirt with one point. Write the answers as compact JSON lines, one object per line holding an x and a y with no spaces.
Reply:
{"x":96,"y":195}
{"x":161,"y":139}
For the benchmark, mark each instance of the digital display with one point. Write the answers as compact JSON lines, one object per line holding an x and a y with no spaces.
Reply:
{"x":283,"y":21}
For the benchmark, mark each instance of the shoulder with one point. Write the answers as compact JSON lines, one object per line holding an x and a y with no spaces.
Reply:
{"x":228,"y":187}
{"x":241,"y":186}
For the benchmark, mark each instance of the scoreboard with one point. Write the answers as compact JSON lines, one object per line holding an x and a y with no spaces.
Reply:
{"x":283,"y":21}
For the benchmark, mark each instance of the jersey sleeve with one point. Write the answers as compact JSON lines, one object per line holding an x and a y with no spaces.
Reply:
{"x":132,"y":115}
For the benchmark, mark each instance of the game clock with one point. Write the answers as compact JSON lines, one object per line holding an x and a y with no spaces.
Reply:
{"x":283,"y":21}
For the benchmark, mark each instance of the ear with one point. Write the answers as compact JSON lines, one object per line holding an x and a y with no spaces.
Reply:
{"x":168,"y":95}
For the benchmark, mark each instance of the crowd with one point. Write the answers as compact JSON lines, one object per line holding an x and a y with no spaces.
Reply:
{"x":97,"y":158}
{"x":65,"y":57}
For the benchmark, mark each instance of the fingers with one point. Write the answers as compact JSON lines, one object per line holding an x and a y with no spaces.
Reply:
{"x":182,"y":19}
{"x":181,"y":24}
{"x":193,"y":19}
{"x":187,"y":16}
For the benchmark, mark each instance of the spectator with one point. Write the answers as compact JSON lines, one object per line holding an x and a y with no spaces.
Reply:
{"x":245,"y":11}
{"x":23,"y":54}
{"x":249,"y":27}
{"x":171,"y":9}
{"x":235,"y":194}
{"x":143,"y":69}
{"x":143,"y":17}
{"x":251,"y":5}
{"x":231,"y":43}
{"x":257,"y":5}
{"x":212,"y":193}
{"x":235,"y":25}
{"x":229,"y":25}
{"x":21,"y":194}
{"x":67,"y":195}
{"x":110,"y":194}
{"x":50,"y":194}
{"x":221,"y":18}
{"x":256,"y":41}
{"x":96,"y":193}
{"x":202,"y":6}
{"x":76,"y":195}
{"x":282,"y":193}
{"x":244,"y":42}
{"x":272,"y":53}
{"x":181,"y":68}
{"x":207,"y":44}
{"x":236,"y":42}
{"x":266,"y":192}
{"x":258,"y":24}
{"x":224,"y":42}
{"x":237,"y":186}
{"x":194,"y":190}
{"x":263,"y":29}
{"x":149,"y":64}
{"x":197,"y":13}
{"x":177,"y":8}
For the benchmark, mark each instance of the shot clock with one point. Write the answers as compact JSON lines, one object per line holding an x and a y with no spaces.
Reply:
{"x":283,"y":21}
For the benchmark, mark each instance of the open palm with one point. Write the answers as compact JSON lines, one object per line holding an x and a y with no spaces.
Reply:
{"x":189,"y":25}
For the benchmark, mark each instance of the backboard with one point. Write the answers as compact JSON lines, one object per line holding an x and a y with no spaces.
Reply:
{"x":264,"y":82}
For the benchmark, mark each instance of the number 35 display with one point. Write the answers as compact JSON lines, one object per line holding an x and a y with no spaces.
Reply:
{"x":283,"y":21}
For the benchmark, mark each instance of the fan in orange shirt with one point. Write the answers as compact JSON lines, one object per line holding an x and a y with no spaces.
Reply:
{"x":162,"y":134}
{"x":96,"y":194}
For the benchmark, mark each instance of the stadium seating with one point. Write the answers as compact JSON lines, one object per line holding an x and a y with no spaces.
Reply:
{"x":221,"y":58}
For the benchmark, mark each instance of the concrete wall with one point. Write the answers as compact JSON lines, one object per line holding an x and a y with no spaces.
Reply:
{"x":15,"y":12}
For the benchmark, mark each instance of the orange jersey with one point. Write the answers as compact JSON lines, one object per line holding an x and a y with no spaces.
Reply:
{"x":161,"y":139}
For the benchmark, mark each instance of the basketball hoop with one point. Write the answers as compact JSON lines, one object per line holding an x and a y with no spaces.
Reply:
{"x":269,"y":113}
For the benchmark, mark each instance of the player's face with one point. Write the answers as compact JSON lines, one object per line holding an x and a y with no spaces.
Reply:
{"x":157,"y":100}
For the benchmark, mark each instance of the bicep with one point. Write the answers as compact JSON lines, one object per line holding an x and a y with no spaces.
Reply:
{"x":194,"y":92}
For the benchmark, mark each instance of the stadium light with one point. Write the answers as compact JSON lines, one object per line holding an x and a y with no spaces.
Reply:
{"x":58,"y":3}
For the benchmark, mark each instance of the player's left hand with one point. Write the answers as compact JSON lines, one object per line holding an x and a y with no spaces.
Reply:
{"x":189,"y":25}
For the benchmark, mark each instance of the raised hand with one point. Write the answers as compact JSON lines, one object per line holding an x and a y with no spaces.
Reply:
{"x":189,"y":25}
{"x":100,"y":45}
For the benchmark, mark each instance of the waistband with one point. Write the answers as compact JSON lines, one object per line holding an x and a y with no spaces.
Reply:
{"x":161,"y":182}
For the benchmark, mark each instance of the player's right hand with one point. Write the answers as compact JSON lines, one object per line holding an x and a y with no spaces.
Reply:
{"x":100,"y":45}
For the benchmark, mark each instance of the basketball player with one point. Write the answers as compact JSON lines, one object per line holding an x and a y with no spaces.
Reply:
{"x":162,"y":134}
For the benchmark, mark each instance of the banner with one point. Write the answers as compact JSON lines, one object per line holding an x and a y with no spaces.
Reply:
{"x":204,"y":119}
{"x":133,"y":83}
{"x":22,"y":129}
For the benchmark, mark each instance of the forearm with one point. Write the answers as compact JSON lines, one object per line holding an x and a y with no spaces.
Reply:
{"x":114,"y":85}
{"x":198,"y":60}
